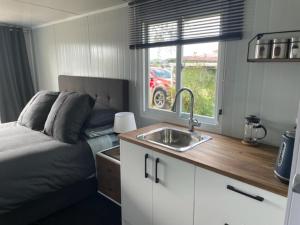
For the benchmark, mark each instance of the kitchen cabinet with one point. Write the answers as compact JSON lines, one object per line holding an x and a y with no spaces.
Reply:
{"x":219,"y":182}
{"x":156,"y":189}
{"x":220,"y":200}
{"x":186,"y":194}
{"x":136,"y":189}
{"x":173,"y":196}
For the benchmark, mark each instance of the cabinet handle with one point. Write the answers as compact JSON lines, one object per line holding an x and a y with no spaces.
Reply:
{"x":256,"y":197}
{"x":146,"y":157}
{"x":156,"y":163}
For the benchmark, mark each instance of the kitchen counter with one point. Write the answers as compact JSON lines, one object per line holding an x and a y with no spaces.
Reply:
{"x":224,"y":155}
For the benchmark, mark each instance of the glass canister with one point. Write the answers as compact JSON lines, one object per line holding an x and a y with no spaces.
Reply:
{"x":280,"y":48}
{"x":252,"y":130}
{"x":263,"y":49}
{"x":294,"y":51}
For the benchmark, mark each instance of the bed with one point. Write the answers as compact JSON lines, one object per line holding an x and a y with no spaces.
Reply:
{"x":40,"y":175}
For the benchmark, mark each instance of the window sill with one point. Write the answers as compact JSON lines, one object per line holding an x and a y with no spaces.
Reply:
{"x":157,"y":116}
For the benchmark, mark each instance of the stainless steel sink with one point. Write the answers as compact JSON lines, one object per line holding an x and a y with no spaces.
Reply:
{"x":175,"y":139}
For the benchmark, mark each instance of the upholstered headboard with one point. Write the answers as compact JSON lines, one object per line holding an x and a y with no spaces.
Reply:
{"x":111,"y":92}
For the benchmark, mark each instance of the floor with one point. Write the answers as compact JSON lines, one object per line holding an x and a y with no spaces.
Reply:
{"x":95,"y":210}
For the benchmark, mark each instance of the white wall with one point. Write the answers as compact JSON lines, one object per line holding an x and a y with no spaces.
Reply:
{"x":269,"y":90}
{"x":97,"y":45}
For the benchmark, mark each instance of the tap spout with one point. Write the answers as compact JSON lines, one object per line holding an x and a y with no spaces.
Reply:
{"x":192,"y":121}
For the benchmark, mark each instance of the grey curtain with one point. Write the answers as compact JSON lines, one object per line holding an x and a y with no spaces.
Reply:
{"x":16,"y":86}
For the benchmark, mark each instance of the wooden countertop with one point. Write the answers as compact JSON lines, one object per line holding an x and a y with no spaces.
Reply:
{"x":224,"y":155}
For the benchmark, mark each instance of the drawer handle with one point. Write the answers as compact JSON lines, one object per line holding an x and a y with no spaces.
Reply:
{"x":156,"y":164}
{"x":146,"y":157}
{"x":256,"y":197}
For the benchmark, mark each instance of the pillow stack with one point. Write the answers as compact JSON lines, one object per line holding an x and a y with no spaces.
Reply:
{"x":35,"y":113}
{"x":100,"y":116}
{"x":68,"y":115}
{"x":60,"y":115}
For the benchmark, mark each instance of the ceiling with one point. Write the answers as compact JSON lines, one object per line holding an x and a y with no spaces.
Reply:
{"x":31,"y":13}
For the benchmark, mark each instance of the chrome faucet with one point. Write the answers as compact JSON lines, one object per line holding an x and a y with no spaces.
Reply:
{"x":192,"y":121}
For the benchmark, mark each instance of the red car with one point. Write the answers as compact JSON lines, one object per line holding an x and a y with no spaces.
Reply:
{"x":160,"y":81}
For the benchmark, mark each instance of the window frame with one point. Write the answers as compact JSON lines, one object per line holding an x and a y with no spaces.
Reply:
{"x":179,"y":116}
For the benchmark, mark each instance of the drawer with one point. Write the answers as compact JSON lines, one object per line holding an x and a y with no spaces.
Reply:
{"x":108,"y":175}
{"x":221,"y":200}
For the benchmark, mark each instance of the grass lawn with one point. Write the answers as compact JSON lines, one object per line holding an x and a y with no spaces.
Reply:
{"x":202,"y":81}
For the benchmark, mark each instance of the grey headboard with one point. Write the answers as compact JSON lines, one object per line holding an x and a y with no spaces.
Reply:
{"x":111,"y":92}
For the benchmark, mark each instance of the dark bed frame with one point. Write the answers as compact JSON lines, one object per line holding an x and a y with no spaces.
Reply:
{"x":112,"y":92}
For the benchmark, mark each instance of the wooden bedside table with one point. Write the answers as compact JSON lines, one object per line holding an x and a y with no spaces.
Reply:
{"x":108,"y":174}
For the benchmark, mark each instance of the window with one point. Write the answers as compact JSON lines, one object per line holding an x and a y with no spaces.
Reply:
{"x":182,"y":49}
{"x":184,"y":53}
{"x":194,"y":66}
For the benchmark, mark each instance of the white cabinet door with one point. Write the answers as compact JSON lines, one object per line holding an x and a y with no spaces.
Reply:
{"x":215,"y":204}
{"x":136,"y":188}
{"x":173,"y":195}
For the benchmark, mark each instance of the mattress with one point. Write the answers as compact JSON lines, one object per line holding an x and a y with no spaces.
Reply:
{"x":33,"y":164}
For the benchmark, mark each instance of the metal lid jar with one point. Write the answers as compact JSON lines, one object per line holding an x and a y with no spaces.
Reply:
{"x":263,"y":49}
{"x":280,"y":48}
{"x":294,"y":50}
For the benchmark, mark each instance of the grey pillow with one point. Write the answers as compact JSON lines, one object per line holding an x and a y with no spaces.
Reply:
{"x":36,"y":111}
{"x":100,"y":117}
{"x":68,"y":115}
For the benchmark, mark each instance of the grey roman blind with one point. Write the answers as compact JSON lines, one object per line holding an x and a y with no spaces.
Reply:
{"x":155,"y":23}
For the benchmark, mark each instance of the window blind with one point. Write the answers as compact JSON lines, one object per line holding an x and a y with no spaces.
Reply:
{"x":154,"y":23}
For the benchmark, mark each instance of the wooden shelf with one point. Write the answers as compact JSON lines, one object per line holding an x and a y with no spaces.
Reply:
{"x":273,"y":60}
